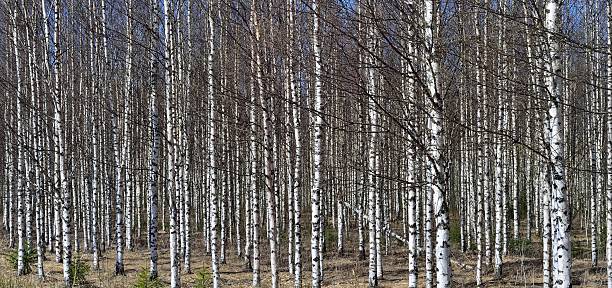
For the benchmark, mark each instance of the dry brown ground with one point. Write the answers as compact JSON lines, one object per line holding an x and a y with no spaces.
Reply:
{"x":340,"y":271}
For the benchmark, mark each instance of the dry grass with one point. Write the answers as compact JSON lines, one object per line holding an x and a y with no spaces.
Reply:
{"x":340,"y":271}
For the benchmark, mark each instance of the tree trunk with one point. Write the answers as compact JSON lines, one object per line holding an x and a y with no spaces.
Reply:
{"x":435,"y":166}
{"x":560,"y":206}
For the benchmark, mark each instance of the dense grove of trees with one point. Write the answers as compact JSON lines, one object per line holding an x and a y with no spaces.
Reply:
{"x":255,"y":127}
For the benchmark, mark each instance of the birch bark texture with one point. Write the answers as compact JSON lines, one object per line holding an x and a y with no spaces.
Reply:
{"x":436,"y":166}
{"x":562,"y":263}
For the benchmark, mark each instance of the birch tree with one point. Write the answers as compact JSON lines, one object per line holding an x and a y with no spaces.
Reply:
{"x":154,"y":154}
{"x":436,"y":167}
{"x":609,"y":158}
{"x":211,"y":148}
{"x":170,"y":144}
{"x":559,"y":213}
{"x":20,"y":155}
{"x":315,"y":252}
{"x":371,"y":169}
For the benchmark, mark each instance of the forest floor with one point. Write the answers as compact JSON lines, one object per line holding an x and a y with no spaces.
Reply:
{"x":522,"y":267}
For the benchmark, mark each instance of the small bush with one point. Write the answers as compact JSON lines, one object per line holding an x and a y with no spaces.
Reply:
{"x":29,"y":257}
{"x":78,"y":271}
{"x":455,"y":233}
{"x":144,"y":281}
{"x":522,"y":246}
{"x":582,"y":249}
{"x":473,"y":246}
{"x":331,"y":236}
{"x":203,"y":279}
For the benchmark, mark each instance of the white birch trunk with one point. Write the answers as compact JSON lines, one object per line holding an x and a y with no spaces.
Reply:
{"x":480,"y":154}
{"x":340,"y":227}
{"x":94,"y":144}
{"x":32,"y":160}
{"x":211,"y":149}
{"x":37,"y":143}
{"x":436,"y":167}
{"x":20,"y":175}
{"x":289,"y":167}
{"x":154,"y":156}
{"x":560,"y":206}
{"x":428,"y":209}
{"x":372,"y":141}
{"x":59,"y":152}
{"x":238,"y":181}
{"x":171,"y":145}
{"x":594,"y":191}
{"x":486,"y":139}
{"x":498,"y":195}
{"x":499,"y":154}
{"x":187,"y":190}
{"x":609,"y":156}
{"x":515,"y":188}
{"x":481,"y":179}
{"x":297,"y":165}
{"x":378,"y":202}
{"x":315,"y":252}
{"x":253,"y":161}
{"x":408,"y":91}
{"x":126,"y":141}
{"x":545,"y":202}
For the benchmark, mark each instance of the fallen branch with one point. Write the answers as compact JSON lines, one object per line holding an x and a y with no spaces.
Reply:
{"x":462,"y":265}
{"x":404,"y":240}
{"x":395,"y":235}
